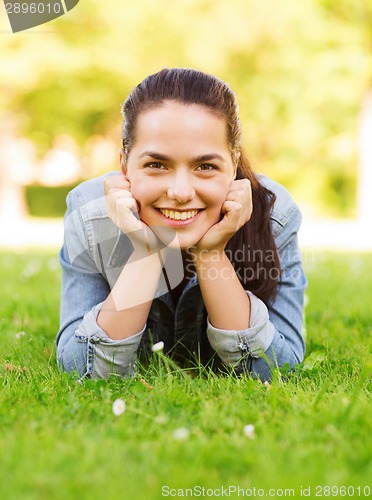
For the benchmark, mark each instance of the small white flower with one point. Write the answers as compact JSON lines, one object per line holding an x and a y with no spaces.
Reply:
{"x":20,"y":335}
{"x":181,"y":434}
{"x":249,"y":431}
{"x":161,"y":419}
{"x":159,"y":346}
{"x":118,"y":407}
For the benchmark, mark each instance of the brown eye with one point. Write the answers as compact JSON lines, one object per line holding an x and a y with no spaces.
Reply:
{"x":155,"y":165}
{"x":206,"y":167}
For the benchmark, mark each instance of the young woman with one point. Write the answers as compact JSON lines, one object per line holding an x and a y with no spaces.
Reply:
{"x":186,"y":246}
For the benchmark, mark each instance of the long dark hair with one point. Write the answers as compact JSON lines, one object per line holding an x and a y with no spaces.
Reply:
{"x":252,"y":249}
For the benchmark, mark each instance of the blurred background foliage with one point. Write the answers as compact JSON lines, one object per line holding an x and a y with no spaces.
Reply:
{"x":300,"y":70}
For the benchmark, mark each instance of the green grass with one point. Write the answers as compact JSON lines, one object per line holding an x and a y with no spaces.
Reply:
{"x":60,"y":439}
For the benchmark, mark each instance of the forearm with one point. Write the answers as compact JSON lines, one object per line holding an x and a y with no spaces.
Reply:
{"x":227,"y":303}
{"x":126,"y":309}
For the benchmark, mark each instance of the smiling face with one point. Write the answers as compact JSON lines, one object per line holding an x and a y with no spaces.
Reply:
{"x":180,"y":168}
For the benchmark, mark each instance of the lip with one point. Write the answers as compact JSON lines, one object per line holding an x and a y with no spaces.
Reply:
{"x":179,"y":223}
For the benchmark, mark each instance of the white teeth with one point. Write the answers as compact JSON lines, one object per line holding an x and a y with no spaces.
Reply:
{"x":173,"y":214}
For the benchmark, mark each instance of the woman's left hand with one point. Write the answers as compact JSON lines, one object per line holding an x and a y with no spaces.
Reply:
{"x":237,"y":210}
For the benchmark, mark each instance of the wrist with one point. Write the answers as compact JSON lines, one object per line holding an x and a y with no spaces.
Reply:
{"x":208,"y":256}
{"x":145,"y":242}
{"x":213,"y":265}
{"x":142,"y":250}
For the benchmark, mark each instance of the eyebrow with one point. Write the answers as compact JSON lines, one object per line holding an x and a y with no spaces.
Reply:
{"x":197,"y":159}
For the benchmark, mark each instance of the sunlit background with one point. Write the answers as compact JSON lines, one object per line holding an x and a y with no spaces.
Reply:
{"x":302,"y":71}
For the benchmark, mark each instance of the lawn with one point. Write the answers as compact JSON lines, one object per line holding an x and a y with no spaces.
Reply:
{"x":182,"y":432}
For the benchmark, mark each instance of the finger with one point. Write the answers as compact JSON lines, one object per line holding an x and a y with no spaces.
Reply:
{"x":116,"y":182}
{"x":233,"y":196}
{"x":127,"y":203}
{"x":127,"y":215}
{"x":240,"y":195}
{"x":240,"y":184}
{"x":231,"y":222}
{"x":239,"y":211}
{"x":231,"y":206}
{"x":112,"y":199}
{"x":127,"y":195}
{"x":116,"y":194}
{"x":112,"y":202}
{"x":242,"y":198}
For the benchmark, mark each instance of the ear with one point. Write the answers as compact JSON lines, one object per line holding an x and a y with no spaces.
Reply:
{"x":123,"y":165}
{"x":236,"y":162}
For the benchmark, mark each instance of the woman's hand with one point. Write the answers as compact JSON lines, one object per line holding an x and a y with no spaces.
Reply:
{"x":123,"y":210}
{"x":237,"y":210}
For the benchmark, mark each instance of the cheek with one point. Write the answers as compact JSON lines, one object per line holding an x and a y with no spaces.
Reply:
{"x":141,"y":189}
{"x":215,"y":205}
{"x":145,"y":189}
{"x":138,"y":193}
{"x":217,"y":196}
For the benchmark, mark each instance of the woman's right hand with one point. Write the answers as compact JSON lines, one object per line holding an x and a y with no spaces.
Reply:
{"x":123,"y":210}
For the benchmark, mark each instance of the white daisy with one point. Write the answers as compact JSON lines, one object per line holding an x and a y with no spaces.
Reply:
{"x":159,"y":346}
{"x":118,"y":407}
{"x":250,"y":431}
{"x":181,"y":434}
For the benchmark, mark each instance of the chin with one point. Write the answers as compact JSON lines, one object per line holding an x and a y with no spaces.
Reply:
{"x":181,"y":243}
{"x":166,"y":235}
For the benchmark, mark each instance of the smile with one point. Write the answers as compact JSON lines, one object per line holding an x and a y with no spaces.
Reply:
{"x":175,"y":215}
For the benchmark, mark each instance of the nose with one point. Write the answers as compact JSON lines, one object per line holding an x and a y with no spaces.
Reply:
{"x":181,"y":188}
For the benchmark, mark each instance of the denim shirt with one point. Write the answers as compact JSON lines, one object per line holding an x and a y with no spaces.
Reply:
{"x":92,"y":257}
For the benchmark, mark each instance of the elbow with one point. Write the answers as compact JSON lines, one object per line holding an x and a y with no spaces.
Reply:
{"x":280,"y":355}
{"x":72,"y":358}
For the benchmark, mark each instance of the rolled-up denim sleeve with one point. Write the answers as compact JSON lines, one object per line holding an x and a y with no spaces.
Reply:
{"x":276,"y":334}
{"x":93,"y":354}
{"x":231,"y":345}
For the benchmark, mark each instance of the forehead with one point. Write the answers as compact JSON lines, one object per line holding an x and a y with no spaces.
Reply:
{"x":177,"y":122}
